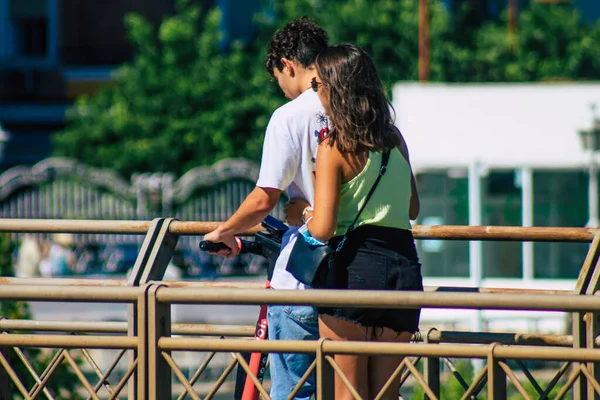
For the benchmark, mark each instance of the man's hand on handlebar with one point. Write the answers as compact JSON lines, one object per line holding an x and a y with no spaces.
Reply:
{"x":230,"y":241}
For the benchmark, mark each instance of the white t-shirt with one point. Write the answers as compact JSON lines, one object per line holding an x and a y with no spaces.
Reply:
{"x":288,"y":162}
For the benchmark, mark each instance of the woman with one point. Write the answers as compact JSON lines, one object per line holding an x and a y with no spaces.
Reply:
{"x":379,"y":254}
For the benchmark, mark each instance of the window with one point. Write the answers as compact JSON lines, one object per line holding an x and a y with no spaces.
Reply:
{"x":30,"y":27}
{"x":444,"y":201}
{"x":559,"y":199}
{"x":501,"y":206}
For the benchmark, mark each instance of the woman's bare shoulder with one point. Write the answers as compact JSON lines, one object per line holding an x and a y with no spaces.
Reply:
{"x":402,"y":146}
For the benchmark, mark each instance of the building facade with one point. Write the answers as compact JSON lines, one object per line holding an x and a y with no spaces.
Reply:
{"x":52,"y":51}
{"x":505,"y":155}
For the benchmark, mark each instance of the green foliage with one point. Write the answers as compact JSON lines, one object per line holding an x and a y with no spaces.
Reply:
{"x":389,"y":31}
{"x":183,"y":102}
{"x":551,"y":44}
{"x":63,"y":382}
{"x":10,"y":309}
{"x":180,"y":103}
{"x":450,"y":387}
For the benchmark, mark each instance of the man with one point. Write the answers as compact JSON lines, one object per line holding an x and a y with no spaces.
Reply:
{"x":288,"y":162}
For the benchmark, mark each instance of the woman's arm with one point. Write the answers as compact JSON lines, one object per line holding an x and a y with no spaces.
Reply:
{"x":323,"y":220}
{"x":415,"y":205}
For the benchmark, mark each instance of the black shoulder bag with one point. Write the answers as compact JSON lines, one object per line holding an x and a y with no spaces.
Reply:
{"x":306,"y":260}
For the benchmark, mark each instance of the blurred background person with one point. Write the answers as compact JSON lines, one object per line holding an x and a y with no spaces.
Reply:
{"x":61,"y":258}
{"x":29,"y":255}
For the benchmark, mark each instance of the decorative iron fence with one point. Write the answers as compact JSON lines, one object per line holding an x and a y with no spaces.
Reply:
{"x":62,"y":188}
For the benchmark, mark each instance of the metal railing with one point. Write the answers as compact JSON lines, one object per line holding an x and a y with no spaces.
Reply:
{"x":149,"y":342}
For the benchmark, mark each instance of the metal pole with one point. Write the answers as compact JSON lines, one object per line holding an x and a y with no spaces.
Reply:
{"x":475,"y":247}
{"x":423,"y":40}
{"x":475,"y":253}
{"x":512,"y":17}
{"x":593,"y":192}
{"x":527,"y":220}
{"x":181,"y":228}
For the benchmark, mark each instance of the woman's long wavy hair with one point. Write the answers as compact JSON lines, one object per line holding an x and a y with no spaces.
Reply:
{"x":361,"y":114}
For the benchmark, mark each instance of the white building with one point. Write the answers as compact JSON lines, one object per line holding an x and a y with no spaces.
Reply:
{"x":500,"y":154}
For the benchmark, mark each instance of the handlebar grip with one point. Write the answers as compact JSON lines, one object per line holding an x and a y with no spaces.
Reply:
{"x":210,"y":246}
{"x":252,"y":247}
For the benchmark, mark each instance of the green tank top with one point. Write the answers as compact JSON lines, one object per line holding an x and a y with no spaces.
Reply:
{"x":390,"y":202}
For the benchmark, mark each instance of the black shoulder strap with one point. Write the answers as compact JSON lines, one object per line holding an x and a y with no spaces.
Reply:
{"x":384,"y":160}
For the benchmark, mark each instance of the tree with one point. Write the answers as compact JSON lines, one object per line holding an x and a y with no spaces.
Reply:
{"x":180,"y":103}
{"x":551,"y":44}
{"x":183,"y":102}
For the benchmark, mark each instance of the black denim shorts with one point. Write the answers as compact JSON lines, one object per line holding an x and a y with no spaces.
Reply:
{"x":377,"y":258}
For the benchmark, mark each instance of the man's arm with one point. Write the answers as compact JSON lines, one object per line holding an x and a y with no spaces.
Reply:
{"x":255,"y":207}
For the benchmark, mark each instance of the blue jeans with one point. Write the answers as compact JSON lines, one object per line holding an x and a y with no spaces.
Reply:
{"x":292,"y":323}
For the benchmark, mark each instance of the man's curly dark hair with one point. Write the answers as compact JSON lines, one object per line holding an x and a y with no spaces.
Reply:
{"x":301,"y":40}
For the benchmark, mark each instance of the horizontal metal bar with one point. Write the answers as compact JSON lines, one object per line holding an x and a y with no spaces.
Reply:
{"x":246,"y":285}
{"x":69,"y":341}
{"x":380,"y":348}
{"x":449,"y":232}
{"x":106,"y":226}
{"x":63,"y":281}
{"x":246,"y":331}
{"x":62,"y":326}
{"x":380,"y":299}
{"x":71,"y":293}
{"x":121,"y":327}
{"x":467,"y":289}
{"x":73,"y":226}
{"x":504,"y":233}
{"x":214,"y":284}
{"x":213,"y":330}
{"x":201,"y":228}
{"x":503,"y":338}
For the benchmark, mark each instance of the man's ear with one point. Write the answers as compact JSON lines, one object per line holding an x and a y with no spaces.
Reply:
{"x":289,"y":66}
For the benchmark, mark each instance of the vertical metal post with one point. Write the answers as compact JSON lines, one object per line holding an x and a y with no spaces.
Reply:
{"x":593,"y":193}
{"x":431,"y":370}
{"x":138,"y":389}
{"x":423,"y":40}
{"x":5,"y":383}
{"x":527,"y":220}
{"x":325,"y":375}
{"x":592,"y":330}
{"x":496,"y":377}
{"x":475,"y":206}
{"x":151,"y":264}
{"x":475,"y":246}
{"x":159,"y":325}
{"x":587,"y":277}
